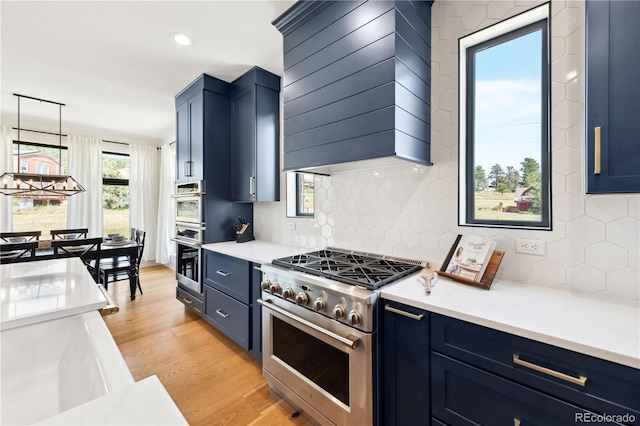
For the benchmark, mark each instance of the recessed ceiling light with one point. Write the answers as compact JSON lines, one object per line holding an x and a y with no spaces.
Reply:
{"x":181,"y":39}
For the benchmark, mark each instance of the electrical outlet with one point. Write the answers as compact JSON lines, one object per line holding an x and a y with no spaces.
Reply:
{"x":536,"y":247}
{"x":291,"y":226}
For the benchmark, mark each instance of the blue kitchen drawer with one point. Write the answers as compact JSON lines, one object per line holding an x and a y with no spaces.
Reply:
{"x":227,"y":274}
{"x":465,"y":395}
{"x":190,"y":301}
{"x":609,"y":387}
{"x":227,"y":315}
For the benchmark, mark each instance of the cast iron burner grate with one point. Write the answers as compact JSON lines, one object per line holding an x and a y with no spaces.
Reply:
{"x":359,"y":269}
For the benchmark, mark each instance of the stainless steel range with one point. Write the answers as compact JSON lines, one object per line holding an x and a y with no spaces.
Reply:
{"x":319,"y":330}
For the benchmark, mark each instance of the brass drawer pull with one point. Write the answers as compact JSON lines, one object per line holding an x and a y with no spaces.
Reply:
{"x":223,"y":273}
{"x":580,"y":381}
{"x":222,"y":314}
{"x":188,"y":301}
{"x":597,"y":152}
{"x":406,"y":314}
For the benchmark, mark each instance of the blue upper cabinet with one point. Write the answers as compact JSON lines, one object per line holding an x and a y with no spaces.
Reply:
{"x":613,"y":96}
{"x":203,"y":153}
{"x":200,"y":107}
{"x":356,"y":82}
{"x":255,"y":137}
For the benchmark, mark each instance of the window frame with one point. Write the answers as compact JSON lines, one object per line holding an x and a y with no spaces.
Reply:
{"x":294,"y":208}
{"x":512,"y":28}
{"x":299,"y":199}
{"x":115,"y":181}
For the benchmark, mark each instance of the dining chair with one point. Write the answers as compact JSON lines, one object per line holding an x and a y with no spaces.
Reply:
{"x":11,"y":252}
{"x":119,"y":270}
{"x":69,"y":234}
{"x":87,"y":249}
{"x":20,"y":237}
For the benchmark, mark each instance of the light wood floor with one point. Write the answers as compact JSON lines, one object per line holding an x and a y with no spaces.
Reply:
{"x":212,"y":380}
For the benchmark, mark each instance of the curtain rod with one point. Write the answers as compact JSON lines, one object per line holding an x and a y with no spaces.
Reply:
{"x":60,"y":134}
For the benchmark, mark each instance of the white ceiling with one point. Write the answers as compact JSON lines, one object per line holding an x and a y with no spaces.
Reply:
{"x":115,"y":66}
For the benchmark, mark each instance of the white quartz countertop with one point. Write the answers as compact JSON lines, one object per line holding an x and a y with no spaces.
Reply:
{"x":144,"y":403}
{"x":43,"y":290}
{"x":254,"y":251}
{"x":589,"y":324}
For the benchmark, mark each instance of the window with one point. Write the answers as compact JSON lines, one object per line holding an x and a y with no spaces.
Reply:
{"x":115,"y":191}
{"x":505,"y":123}
{"x":300,"y":195}
{"x":42,"y":168}
{"x":43,"y":213}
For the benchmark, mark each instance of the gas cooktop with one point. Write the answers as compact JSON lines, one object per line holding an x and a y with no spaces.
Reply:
{"x":355,"y":268}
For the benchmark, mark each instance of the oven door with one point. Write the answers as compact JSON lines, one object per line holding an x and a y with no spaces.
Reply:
{"x":321,"y":366}
{"x":189,"y":209}
{"x":188,"y":255}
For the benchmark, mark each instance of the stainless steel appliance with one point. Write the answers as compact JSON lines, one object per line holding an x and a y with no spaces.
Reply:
{"x":188,"y":241}
{"x":190,"y":229}
{"x":190,"y":202}
{"x":319,"y":330}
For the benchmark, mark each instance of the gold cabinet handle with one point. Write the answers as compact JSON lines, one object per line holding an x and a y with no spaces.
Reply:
{"x":597,"y":152}
{"x":400,"y":312}
{"x":580,"y":381}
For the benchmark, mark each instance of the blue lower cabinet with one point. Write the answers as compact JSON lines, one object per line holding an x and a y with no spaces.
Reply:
{"x":466,"y":395}
{"x":404,"y":386}
{"x":227,"y":315}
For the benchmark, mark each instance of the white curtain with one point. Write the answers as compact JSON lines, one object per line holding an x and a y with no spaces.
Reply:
{"x":84,"y":210}
{"x":166,"y":206}
{"x":143,"y":194}
{"x":6,"y":165}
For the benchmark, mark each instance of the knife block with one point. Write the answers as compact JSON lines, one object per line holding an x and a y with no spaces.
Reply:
{"x":245,"y":234}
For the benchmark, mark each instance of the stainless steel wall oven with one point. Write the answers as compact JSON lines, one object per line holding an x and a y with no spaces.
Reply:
{"x":188,"y":256}
{"x":189,"y":202}
{"x":190,"y":227}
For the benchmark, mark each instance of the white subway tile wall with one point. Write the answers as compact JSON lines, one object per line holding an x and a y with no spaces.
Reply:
{"x":411,"y":211}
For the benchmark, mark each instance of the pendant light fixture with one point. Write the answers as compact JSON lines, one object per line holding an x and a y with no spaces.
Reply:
{"x":34,"y":185}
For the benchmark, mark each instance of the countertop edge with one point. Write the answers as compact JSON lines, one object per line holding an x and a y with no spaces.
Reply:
{"x":406,"y":293}
{"x":51,"y":315}
{"x":255,"y":251}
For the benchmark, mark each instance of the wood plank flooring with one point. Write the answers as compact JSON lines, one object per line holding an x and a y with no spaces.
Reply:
{"x":212,"y":380}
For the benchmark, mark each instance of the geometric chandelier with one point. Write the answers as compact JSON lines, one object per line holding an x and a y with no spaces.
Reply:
{"x":34,"y":185}
{"x":29,"y":185}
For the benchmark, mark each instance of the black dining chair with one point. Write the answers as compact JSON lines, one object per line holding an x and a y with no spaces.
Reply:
{"x":69,"y":234}
{"x":118,"y":270}
{"x":87,"y":249}
{"x":14,"y":252}
{"x":20,"y":237}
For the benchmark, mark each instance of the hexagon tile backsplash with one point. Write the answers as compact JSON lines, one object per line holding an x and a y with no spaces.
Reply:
{"x":411,"y":211}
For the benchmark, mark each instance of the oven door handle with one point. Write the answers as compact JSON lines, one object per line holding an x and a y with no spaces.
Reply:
{"x":186,"y":243}
{"x":350,"y":341}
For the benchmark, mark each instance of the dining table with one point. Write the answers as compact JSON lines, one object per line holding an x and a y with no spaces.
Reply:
{"x":109,"y":249}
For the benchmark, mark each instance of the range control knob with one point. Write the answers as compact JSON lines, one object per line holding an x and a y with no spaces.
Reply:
{"x":354,"y":318}
{"x":264,"y":285}
{"x":319,"y":304}
{"x":339,"y":312}
{"x":302,"y":299}
{"x":275,"y":288}
{"x":289,"y":293}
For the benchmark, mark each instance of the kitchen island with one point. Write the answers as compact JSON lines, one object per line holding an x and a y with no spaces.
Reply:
{"x":60,"y":364}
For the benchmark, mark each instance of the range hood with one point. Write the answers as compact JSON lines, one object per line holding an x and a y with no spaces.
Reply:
{"x":356,"y":84}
